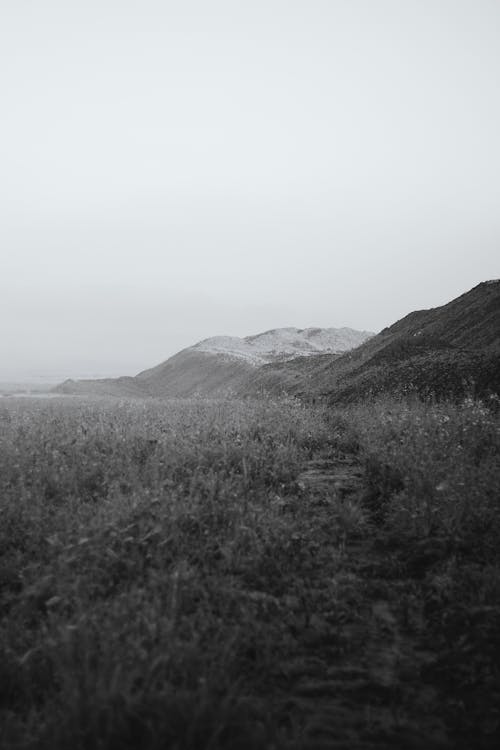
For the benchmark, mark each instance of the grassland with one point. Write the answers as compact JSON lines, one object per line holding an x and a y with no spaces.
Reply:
{"x":170,"y":579}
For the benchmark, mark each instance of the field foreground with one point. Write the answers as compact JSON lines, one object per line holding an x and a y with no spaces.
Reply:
{"x":258,"y":574}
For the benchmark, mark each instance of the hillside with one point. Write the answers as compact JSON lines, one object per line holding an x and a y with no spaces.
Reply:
{"x":222,"y":364}
{"x":284,"y":343}
{"x":124,"y":386}
{"x":448,"y":351}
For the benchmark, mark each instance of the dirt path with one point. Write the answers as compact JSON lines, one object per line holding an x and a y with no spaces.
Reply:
{"x":356,"y":676}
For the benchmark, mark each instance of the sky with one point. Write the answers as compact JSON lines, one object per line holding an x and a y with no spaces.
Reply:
{"x":174,"y":170}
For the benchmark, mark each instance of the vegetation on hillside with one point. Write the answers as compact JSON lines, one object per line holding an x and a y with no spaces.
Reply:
{"x":444,"y":352}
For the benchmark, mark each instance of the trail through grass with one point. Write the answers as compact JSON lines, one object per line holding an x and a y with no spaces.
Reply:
{"x":199,"y":574}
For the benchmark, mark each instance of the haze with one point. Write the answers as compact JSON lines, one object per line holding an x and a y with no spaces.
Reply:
{"x":176,"y":170}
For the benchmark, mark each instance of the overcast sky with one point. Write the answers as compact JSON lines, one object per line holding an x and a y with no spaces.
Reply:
{"x":172,"y":170}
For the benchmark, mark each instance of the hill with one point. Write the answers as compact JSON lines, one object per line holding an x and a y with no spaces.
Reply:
{"x":222,"y":364}
{"x":447,"y":351}
{"x":284,"y":343}
{"x":124,"y":386}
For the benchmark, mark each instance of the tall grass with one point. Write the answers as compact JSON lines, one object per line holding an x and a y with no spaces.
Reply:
{"x":159,"y":561}
{"x":136,"y":538}
{"x":433,"y":468}
{"x":433,"y":489}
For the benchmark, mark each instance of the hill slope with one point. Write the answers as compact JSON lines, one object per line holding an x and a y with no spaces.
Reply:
{"x":445,"y":350}
{"x":283,"y":343}
{"x":123,"y":387}
{"x":223,"y":364}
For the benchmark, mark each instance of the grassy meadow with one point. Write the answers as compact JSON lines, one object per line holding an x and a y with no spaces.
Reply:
{"x":164,"y":570}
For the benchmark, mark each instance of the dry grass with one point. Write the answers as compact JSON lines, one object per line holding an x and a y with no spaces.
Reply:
{"x":155,"y":559}
{"x":136,"y":539}
{"x":433,"y":468}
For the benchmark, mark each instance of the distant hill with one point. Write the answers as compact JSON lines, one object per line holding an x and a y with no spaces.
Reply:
{"x":447,"y":351}
{"x":223,"y":364}
{"x":283,"y":343}
{"x":124,"y":386}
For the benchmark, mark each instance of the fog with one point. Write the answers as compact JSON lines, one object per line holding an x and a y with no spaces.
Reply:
{"x":176,"y":170}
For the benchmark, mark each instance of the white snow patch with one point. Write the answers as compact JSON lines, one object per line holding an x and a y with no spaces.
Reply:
{"x":283,"y":343}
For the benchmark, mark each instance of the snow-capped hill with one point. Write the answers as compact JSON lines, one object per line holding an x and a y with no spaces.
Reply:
{"x":228,"y":345}
{"x":283,"y":343}
{"x":222,"y":364}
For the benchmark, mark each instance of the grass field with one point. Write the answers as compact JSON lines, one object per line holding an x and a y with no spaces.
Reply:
{"x":162,"y":565}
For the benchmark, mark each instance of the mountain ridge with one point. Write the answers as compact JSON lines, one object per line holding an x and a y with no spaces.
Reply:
{"x":445,"y":351}
{"x":221,"y":364}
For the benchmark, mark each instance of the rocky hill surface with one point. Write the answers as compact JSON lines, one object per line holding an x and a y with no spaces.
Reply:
{"x":446,"y":351}
{"x":283,"y":343}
